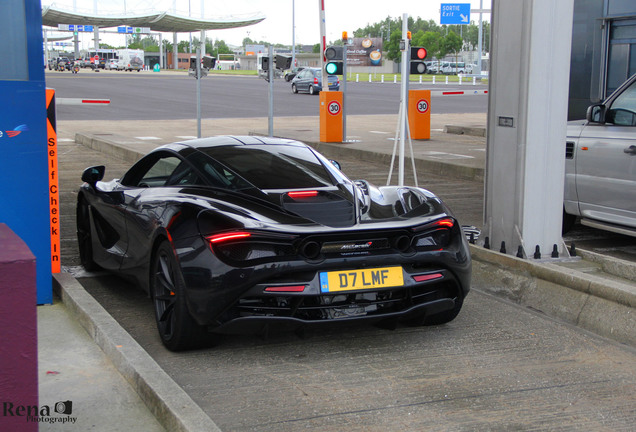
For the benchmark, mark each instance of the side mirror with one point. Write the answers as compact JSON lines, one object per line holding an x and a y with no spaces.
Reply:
{"x":596,"y":113}
{"x":93,"y":174}
{"x":336,"y":164}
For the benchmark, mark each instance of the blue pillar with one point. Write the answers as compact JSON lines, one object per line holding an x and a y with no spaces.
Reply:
{"x":24,"y":194}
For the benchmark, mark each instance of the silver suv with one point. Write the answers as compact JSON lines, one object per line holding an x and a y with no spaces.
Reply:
{"x":600,"y":164}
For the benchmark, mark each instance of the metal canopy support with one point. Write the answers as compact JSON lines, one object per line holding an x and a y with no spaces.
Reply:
{"x":175,"y":51}
{"x":525,"y":161}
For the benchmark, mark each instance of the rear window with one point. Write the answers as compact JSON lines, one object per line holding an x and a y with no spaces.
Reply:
{"x":273,"y":166}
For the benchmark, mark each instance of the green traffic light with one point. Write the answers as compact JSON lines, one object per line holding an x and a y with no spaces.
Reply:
{"x":331,"y":68}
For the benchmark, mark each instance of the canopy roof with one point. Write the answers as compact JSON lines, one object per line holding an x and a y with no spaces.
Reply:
{"x":159,"y":22}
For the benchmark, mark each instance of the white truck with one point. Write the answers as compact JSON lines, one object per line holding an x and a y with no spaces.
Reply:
{"x":130,"y":60}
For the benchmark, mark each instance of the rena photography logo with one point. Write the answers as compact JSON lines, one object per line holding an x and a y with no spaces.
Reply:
{"x":15,"y":132}
{"x":60,"y":412}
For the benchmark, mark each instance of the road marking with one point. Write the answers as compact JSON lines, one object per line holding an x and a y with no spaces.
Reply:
{"x":148,"y":138}
{"x":379,"y":132}
{"x":59,"y":140}
{"x":187,"y":137}
{"x":443,"y":155}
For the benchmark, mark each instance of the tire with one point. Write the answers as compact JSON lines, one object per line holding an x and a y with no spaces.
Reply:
{"x":177,"y":329}
{"x":294,"y":89}
{"x":84,"y":237}
{"x":568,"y":222}
{"x":312,"y":91}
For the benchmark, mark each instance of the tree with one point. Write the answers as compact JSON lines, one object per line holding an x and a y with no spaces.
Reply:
{"x":393,"y":47}
{"x":453,"y":43}
{"x":432,"y":42}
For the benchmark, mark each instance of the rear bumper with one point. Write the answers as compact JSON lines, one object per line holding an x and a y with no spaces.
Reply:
{"x":261,"y":324}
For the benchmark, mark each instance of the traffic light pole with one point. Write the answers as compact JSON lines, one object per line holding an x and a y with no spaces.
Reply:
{"x":270,"y":73}
{"x":344,"y":93}
{"x":198,"y":92}
{"x":403,"y":100}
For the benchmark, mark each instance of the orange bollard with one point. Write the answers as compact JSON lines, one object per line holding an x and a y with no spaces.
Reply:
{"x":419,"y":110}
{"x":331,"y":116}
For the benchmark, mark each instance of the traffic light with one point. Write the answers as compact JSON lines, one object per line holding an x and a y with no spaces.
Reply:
{"x":282,"y":62}
{"x":265,"y":63}
{"x":418,"y":54}
{"x":334,"y":55}
{"x":208,"y":62}
{"x":193,"y":63}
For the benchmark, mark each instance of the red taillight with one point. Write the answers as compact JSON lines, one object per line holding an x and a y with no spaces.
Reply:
{"x":292,"y":288}
{"x":316,"y":81}
{"x":427,"y":277}
{"x":303,"y":194}
{"x":220,"y":238}
{"x":447,"y":223}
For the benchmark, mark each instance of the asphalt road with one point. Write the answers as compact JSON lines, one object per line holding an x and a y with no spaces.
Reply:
{"x":496,"y":367}
{"x":172,"y":95}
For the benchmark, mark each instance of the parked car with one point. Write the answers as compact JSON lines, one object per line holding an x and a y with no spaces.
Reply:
{"x":232,"y":234}
{"x":111,"y":64}
{"x":290,"y":74}
{"x":600,"y":164}
{"x":310,"y":81}
{"x":452,"y":68}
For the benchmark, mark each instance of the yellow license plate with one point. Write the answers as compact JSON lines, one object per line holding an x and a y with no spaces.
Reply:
{"x":348,"y":280}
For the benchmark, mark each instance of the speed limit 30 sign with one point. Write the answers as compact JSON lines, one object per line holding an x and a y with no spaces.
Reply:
{"x":422,"y":106}
{"x":334,"y":108}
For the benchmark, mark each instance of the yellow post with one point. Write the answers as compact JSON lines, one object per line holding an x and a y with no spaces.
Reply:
{"x":420,"y":114}
{"x":331,"y":116}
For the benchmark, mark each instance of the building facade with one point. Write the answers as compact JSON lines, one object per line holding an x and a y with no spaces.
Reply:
{"x":603,"y":51}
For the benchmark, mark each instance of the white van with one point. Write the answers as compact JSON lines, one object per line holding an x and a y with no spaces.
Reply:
{"x":453,"y":68}
{"x":130,"y":60}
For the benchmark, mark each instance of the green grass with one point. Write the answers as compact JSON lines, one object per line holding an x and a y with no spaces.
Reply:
{"x":364,"y":77}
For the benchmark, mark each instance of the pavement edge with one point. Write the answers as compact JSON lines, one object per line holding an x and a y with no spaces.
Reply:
{"x":169,"y":403}
{"x":601,"y":306}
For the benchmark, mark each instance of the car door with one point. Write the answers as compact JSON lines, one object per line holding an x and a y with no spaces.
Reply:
{"x":606,"y":162}
{"x":306,"y":79}
{"x":148,"y":206}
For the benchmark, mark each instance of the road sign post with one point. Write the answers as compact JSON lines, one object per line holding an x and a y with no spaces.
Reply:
{"x":331,"y":116}
{"x":420,"y":114}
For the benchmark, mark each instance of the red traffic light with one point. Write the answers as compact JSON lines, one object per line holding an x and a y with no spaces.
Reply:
{"x":418,"y":53}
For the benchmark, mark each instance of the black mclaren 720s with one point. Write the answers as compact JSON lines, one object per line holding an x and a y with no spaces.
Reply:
{"x":241,"y":234}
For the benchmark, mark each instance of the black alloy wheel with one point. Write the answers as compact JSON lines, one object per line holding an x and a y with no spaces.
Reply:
{"x":177,"y":329}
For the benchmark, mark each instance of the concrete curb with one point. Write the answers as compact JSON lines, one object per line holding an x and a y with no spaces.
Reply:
{"x":621,"y":268}
{"x":596,"y":304}
{"x":333,"y":151}
{"x":168,"y":402}
{"x":479,"y":131}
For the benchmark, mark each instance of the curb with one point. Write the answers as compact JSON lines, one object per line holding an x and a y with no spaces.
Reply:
{"x":439,"y":168}
{"x":168,"y":402}
{"x":569,"y":295}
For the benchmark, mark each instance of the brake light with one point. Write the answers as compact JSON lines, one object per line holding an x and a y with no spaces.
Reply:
{"x":292,"y":288}
{"x":303,"y":194}
{"x":447,"y":223}
{"x":316,"y":81}
{"x":427,"y":277}
{"x":220,"y":238}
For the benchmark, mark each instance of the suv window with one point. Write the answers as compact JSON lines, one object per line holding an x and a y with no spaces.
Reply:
{"x":623,"y":109}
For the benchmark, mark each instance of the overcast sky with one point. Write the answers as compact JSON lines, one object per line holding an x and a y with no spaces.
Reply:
{"x":340,"y":15}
